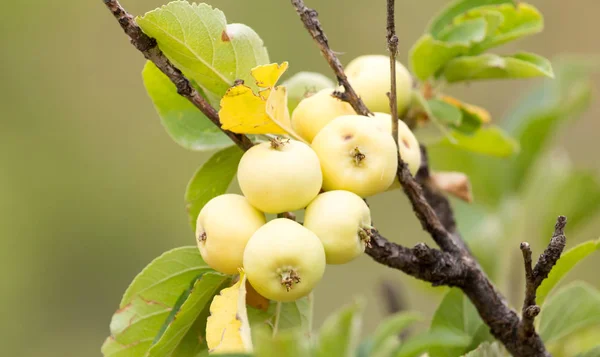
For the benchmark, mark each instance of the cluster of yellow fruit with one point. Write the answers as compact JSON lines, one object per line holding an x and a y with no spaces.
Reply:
{"x":350,"y":157}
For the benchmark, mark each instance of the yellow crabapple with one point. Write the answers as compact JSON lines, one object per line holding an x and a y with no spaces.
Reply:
{"x":370,"y":77}
{"x":356,"y":156}
{"x":342,"y":221}
{"x":221,"y":243}
{"x":283,"y":260}
{"x":408,"y":146}
{"x":279,"y":176}
{"x":314,"y":112}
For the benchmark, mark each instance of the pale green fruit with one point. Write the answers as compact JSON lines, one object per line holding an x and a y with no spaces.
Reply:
{"x":304,"y":84}
{"x":342,"y":221}
{"x":316,"y":111}
{"x":370,"y":77}
{"x":280,"y":176}
{"x":283,"y":260}
{"x":220,"y":242}
{"x":356,"y":156}
{"x":408,"y":146}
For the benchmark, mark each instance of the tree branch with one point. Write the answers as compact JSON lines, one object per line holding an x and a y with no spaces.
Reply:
{"x":392,"y":41}
{"x":535,"y":276}
{"x":311,"y":22}
{"x":148,"y":47}
{"x":454,"y":264}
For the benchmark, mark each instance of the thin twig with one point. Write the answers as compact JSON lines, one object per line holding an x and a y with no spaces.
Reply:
{"x":149,"y":48}
{"x":392,"y":42}
{"x":535,"y":276}
{"x":311,"y":21}
{"x":423,"y":211}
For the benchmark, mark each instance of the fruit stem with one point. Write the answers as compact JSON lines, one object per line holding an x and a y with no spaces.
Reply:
{"x":289,"y":278}
{"x":357,"y":156}
{"x":277,"y":314}
{"x":365,"y":235}
{"x":288,"y":215}
{"x":278,"y":142}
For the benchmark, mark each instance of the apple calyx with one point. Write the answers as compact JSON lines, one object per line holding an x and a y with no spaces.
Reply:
{"x":357,"y":156}
{"x":289,"y":277}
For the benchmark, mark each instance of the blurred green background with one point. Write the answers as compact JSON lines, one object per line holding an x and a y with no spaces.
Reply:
{"x":91,"y":186}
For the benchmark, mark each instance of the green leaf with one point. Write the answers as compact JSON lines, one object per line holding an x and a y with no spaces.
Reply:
{"x":487,"y":349}
{"x":193,"y":343}
{"x":304,"y":84}
{"x":454,"y":9}
{"x":467,"y":32}
{"x":489,"y":140}
{"x":167,"y":276}
{"x":428,"y":55}
{"x":554,"y":187}
{"x":490,"y":66}
{"x":567,"y":261}
{"x":340,"y":332}
{"x":572,"y":308}
{"x":594,"y":352}
{"x":195,"y":305}
{"x":538,"y":115}
{"x":457,"y":315}
{"x":582,"y":187}
{"x":435,"y":339}
{"x":385,"y":339}
{"x":444,"y":112}
{"x":185,"y":123}
{"x":211,"y":180}
{"x":515,"y":22}
{"x":149,"y":299}
{"x":197,"y":39}
{"x":288,"y":343}
{"x":293,"y":315}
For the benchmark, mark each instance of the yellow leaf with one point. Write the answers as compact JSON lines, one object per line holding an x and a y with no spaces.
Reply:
{"x":227,"y":327}
{"x":266,"y":112}
{"x":483,"y":114}
{"x":267,"y":76}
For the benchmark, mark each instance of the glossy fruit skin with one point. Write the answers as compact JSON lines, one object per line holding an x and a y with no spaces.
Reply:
{"x":337,"y":218}
{"x":316,"y":111}
{"x":370,"y":77}
{"x":278,"y":247}
{"x":221,"y":243}
{"x":303,"y":85}
{"x":408,"y":145}
{"x":282,"y":179}
{"x":337,"y":146}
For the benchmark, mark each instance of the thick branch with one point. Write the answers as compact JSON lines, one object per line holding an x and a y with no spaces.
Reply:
{"x":392,"y":41}
{"x":148,"y":47}
{"x":421,"y":262}
{"x":311,"y":22}
{"x":535,"y":276}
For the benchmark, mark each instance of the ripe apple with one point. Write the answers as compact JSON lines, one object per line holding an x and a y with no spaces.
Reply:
{"x":370,"y":77}
{"x":316,"y":111}
{"x":283,"y":260}
{"x":342,"y":221}
{"x":303,"y":85}
{"x":356,"y":156}
{"x":221,"y":243}
{"x":279,"y":176}
{"x":408,"y":146}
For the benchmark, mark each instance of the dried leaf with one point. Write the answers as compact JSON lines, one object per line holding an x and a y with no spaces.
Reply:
{"x":455,"y":183}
